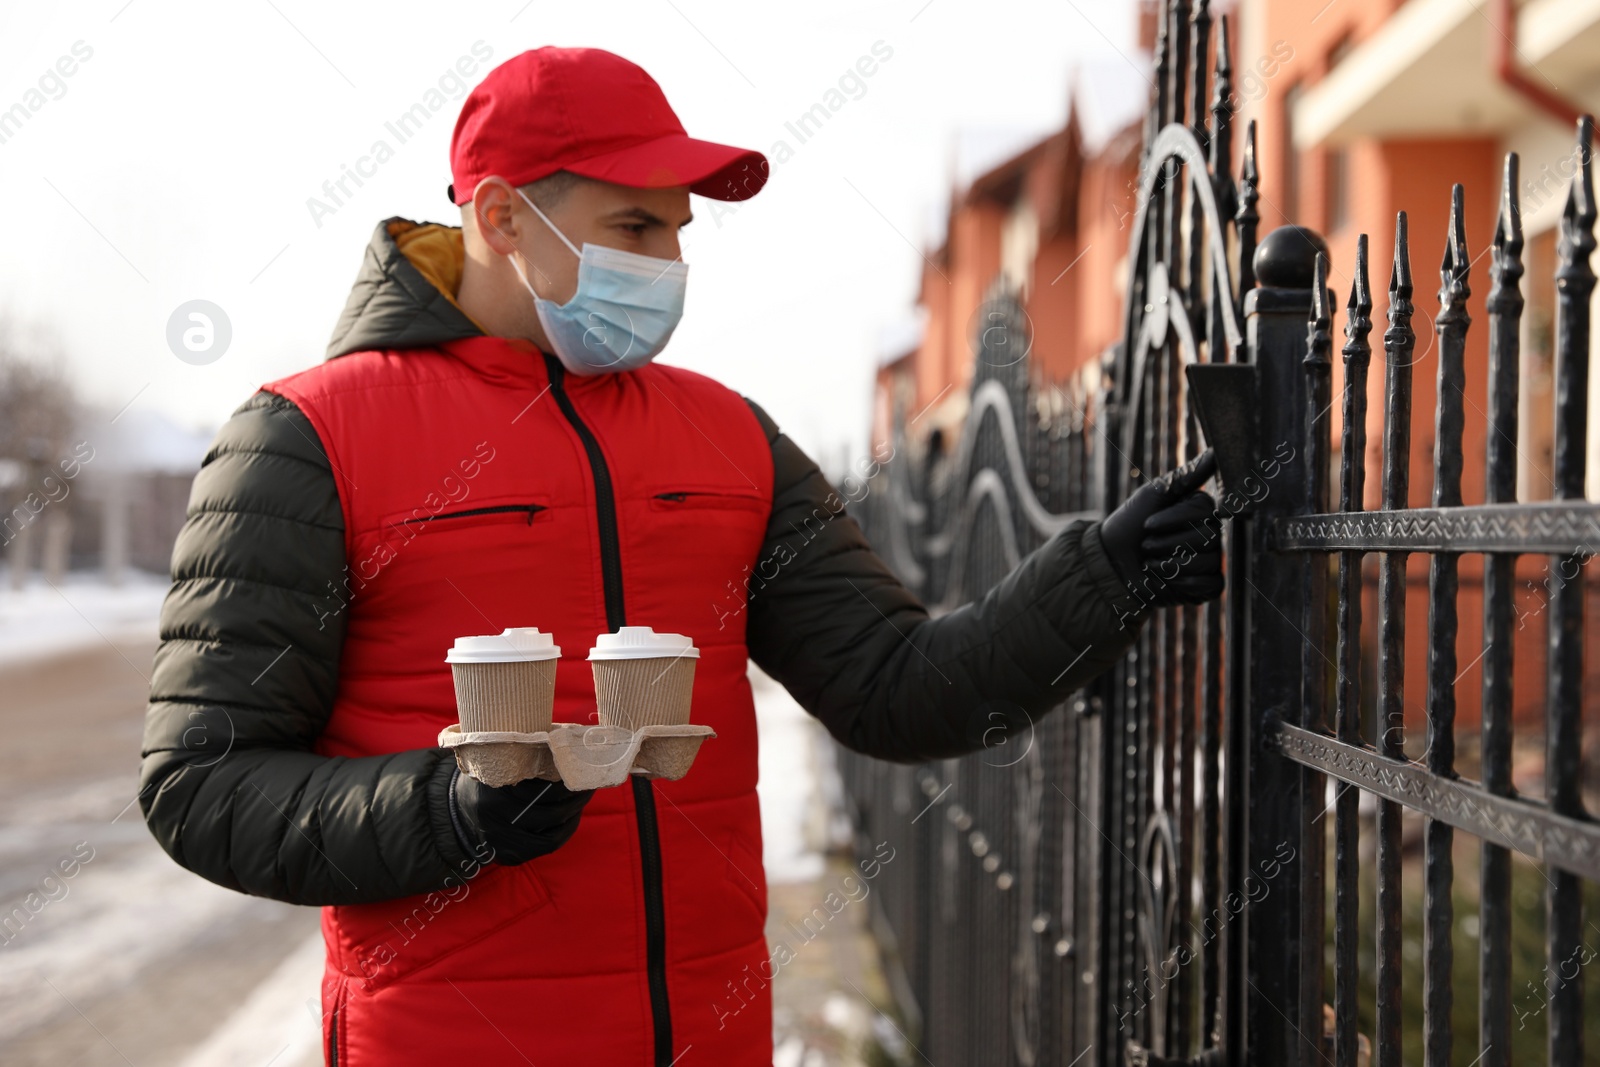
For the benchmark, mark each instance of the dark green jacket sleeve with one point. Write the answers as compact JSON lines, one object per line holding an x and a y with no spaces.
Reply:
{"x":244,"y":682}
{"x":859,"y":651}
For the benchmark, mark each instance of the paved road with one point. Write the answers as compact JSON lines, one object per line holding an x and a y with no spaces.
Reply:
{"x":132,"y":961}
{"x":129,"y":959}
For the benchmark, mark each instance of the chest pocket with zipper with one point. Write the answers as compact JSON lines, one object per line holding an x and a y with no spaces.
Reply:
{"x":489,"y":520}
{"x":486,"y":515}
{"x":394,"y":562}
{"x":683,"y":500}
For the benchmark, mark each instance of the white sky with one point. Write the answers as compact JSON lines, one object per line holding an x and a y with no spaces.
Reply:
{"x":178,"y":161}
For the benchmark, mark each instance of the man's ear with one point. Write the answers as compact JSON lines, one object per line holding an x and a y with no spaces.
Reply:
{"x":492,"y":214}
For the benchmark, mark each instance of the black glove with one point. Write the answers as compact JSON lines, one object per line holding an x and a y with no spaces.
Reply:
{"x":1165,"y":541}
{"x":519,"y":821}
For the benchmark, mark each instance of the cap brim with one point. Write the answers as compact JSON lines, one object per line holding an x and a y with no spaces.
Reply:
{"x":718,"y":171}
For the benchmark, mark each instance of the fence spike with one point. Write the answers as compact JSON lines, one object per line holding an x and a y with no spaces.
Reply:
{"x":1163,"y":47}
{"x":1245,"y":216}
{"x":1357,"y":354}
{"x":1360,"y":289}
{"x":1508,"y":224}
{"x":1347,"y":692}
{"x":1400,"y":272}
{"x":1399,"y":342}
{"x":1580,"y":207}
{"x":1451,"y":324}
{"x":1438,"y":953}
{"x":1221,"y":146}
{"x":1575,"y":280}
{"x":1199,"y":37}
{"x":1178,"y":66}
{"x":1318,"y":338}
{"x":1455,"y":250}
{"x":1564,"y":696}
{"x":1505,"y":305}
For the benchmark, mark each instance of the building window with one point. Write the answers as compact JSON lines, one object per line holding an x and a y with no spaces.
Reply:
{"x":1291,"y":155}
{"x":1343,"y":47}
{"x":1336,"y":158}
{"x":1337,"y":186}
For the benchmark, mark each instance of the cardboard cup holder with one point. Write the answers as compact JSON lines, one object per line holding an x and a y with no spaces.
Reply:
{"x":578,"y":756}
{"x":644,"y":685}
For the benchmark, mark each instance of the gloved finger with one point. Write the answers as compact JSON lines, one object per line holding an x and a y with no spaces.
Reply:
{"x":1194,"y":509}
{"x":531,"y":801}
{"x":1189,"y":589}
{"x":1183,"y":480}
{"x":543,"y":789}
{"x":1194,"y":538}
{"x":550,"y":826}
{"x":1195,"y":541}
{"x":1167,"y":571}
{"x":519,"y":846}
{"x":547,"y":805}
{"x":1175,"y":566}
{"x":1194,"y":590}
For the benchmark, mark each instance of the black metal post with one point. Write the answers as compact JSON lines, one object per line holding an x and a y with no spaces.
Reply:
{"x":1273,"y":605}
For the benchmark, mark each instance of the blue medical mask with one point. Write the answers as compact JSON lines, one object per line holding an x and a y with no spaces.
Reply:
{"x":623,"y":313}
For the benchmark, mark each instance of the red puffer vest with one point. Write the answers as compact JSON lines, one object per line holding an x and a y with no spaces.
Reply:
{"x":482,"y":488}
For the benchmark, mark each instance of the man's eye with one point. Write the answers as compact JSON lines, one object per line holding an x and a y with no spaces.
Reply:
{"x":635,"y":228}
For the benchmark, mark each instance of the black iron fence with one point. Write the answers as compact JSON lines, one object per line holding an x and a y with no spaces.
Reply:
{"x":1146,"y":875}
{"x":981,"y":915}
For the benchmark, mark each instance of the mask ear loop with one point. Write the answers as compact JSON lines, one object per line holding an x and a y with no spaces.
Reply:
{"x":548,"y":223}
{"x":521,"y":275}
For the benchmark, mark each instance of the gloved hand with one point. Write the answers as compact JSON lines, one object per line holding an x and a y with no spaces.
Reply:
{"x":1164,"y":542}
{"x":519,"y":821}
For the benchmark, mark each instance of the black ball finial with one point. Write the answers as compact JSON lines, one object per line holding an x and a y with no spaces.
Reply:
{"x":1287,"y":257}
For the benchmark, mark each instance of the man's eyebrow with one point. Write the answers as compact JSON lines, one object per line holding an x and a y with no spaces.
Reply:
{"x":642,"y":215}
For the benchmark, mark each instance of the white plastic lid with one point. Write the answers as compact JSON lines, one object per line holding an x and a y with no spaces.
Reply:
{"x":641,"y":642}
{"x":518,"y":644}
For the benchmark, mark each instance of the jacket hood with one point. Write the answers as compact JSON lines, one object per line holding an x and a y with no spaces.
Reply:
{"x":405,"y":293}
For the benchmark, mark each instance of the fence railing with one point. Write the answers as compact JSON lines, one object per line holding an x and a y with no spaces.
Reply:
{"x":984,"y":915}
{"x":1147,"y":874}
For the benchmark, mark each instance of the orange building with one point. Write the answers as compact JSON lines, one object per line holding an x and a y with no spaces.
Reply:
{"x":1364,"y":108}
{"x":1382,"y":107}
{"x":1052,"y":224}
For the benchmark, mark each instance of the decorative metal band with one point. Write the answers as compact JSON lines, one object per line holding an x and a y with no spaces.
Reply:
{"x":1533,"y":830}
{"x":1523,"y":528}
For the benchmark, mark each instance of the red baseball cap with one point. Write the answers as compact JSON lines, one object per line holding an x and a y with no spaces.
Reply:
{"x":593,"y":113}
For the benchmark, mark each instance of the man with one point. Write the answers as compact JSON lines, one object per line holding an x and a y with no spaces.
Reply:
{"x":488,"y":445}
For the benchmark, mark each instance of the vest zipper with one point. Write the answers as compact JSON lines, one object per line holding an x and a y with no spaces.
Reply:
{"x":644,"y":798}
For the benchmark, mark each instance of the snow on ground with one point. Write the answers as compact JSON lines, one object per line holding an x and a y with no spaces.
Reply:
{"x":793,"y":814}
{"x":42,"y":619}
{"x":111,"y":917}
{"x":282,"y":1014}
{"x":106,"y":931}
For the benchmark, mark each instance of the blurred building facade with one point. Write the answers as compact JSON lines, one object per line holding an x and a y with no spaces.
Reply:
{"x":1383,"y":108}
{"x":1364,"y":108}
{"x":107,"y":496}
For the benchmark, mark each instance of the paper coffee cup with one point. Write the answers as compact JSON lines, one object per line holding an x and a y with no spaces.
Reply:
{"x":642,"y":678}
{"x":505,"y":681}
